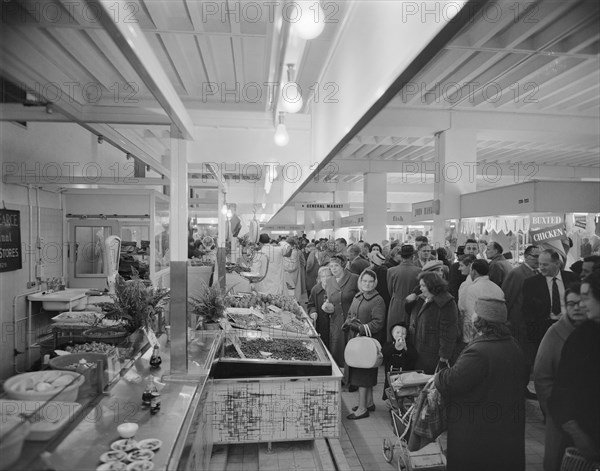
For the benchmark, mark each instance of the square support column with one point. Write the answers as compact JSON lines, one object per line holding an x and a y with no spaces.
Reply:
{"x":375,"y":213}
{"x":456,"y":160}
{"x":178,"y":230}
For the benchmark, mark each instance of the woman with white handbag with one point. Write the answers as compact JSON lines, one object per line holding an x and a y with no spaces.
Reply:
{"x":366,"y":318}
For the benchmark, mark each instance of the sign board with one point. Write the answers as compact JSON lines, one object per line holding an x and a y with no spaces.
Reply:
{"x":322,"y":207}
{"x":423,"y":211}
{"x":398,"y":218}
{"x":356,"y":220}
{"x":546,"y":220}
{"x":324,"y":225}
{"x":547,"y":234}
{"x":10,"y":240}
{"x":288,"y":227}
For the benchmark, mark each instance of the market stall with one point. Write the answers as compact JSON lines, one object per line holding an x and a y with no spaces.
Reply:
{"x":264,"y":375}
{"x":557,"y":215}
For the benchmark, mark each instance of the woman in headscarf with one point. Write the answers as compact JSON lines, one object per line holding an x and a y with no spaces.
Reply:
{"x":366,"y":317}
{"x":340,"y":289}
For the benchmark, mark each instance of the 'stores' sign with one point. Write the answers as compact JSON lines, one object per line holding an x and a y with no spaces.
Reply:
{"x":10,"y":240}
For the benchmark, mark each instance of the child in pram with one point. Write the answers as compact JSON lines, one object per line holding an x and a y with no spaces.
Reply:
{"x":398,"y":354}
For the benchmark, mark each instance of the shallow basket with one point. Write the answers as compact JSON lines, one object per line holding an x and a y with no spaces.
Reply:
{"x":67,"y":394}
{"x":574,"y":461}
{"x":105,"y":335}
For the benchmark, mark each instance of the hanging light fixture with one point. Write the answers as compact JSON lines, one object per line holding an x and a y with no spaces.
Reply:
{"x":311,"y":19}
{"x":291,"y":93}
{"x":281,"y":138}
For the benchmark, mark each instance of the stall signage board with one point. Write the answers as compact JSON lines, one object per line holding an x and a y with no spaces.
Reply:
{"x":396,"y":218}
{"x":547,"y":234}
{"x":284,"y":228}
{"x":322,"y":206}
{"x":10,"y":240}
{"x":356,"y":220}
{"x":423,"y":211}
{"x":507,"y":224}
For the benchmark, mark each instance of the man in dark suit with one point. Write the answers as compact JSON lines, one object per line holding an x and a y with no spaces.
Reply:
{"x":543,"y":296}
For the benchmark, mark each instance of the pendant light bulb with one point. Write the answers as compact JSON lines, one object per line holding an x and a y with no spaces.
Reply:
{"x":311,"y":19}
{"x":224,"y":210}
{"x":291,"y":93}
{"x":281,"y":138}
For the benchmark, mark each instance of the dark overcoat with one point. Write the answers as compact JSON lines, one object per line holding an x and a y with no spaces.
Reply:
{"x":340,"y":294}
{"x":434,"y":330}
{"x":315,"y":303}
{"x":485,"y":400}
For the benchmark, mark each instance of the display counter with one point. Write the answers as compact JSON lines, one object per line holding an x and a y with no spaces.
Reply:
{"x":268,"y":399}
{"x":198,"y":410}
{"x":90,"y":434}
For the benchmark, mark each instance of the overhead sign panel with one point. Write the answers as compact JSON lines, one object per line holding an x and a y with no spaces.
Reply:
{"x":322,"y":207}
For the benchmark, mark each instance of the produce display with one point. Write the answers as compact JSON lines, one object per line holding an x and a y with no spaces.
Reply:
{"x":267,"y":311}
{"x":235,"y":268}
{"x":263,"y":301}
{"x":91,"y":347}
{"x":281,"y":320}
{"x":273,"y":349}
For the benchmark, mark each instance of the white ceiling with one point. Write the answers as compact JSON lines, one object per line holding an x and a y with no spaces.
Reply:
{"x":524,"y":77}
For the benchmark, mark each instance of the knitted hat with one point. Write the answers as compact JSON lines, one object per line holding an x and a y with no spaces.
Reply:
{"x":491,"y":309}
{"x":433,"y":265}
{"x":407,"y":250}
{"x":376,"y":258}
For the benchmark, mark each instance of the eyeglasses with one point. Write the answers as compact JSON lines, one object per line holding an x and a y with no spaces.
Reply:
{"x":574,"y":303}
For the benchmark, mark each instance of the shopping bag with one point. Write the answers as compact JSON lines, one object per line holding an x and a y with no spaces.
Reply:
{"x":430,"y":418}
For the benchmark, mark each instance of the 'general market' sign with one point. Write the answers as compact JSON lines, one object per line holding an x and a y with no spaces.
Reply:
{"x":10,"y":240}
{"x":322,"y":206}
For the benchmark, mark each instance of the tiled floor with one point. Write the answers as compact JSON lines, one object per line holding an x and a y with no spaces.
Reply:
{"x":360,"y":441}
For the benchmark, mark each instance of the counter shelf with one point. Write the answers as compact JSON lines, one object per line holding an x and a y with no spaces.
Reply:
{"x":90,"y":402}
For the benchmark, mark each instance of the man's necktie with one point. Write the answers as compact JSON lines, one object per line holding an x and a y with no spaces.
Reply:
{"x":555,"y":298}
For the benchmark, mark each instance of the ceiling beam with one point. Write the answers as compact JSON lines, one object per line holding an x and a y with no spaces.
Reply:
{"x":420,"y":122}
{"x":130,"y":39}
{"x":522,"y":170}
{"x":68,"y":181}
{"x":88,"y":113}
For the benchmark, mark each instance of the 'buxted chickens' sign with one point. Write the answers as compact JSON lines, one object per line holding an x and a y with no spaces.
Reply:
{"x":547,"y":233}
{"x":10,"y":240}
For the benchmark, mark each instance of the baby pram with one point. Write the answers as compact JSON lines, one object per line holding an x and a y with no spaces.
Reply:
{"x":405,"y":387}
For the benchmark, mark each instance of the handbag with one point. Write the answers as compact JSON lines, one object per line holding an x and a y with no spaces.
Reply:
{"x":363,"y":351}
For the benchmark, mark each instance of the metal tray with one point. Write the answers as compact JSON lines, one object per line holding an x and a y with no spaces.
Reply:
{"x":227,"y":367}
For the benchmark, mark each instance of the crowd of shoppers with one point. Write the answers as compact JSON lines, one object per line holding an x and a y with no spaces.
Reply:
{"x":482,"y":326}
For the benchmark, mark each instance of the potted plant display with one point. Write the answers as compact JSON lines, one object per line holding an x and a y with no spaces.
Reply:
{"x":136,"y":303}
{"x":209,"y":306}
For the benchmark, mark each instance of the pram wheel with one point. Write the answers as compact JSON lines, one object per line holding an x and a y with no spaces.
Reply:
{"x":388,"y":450}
